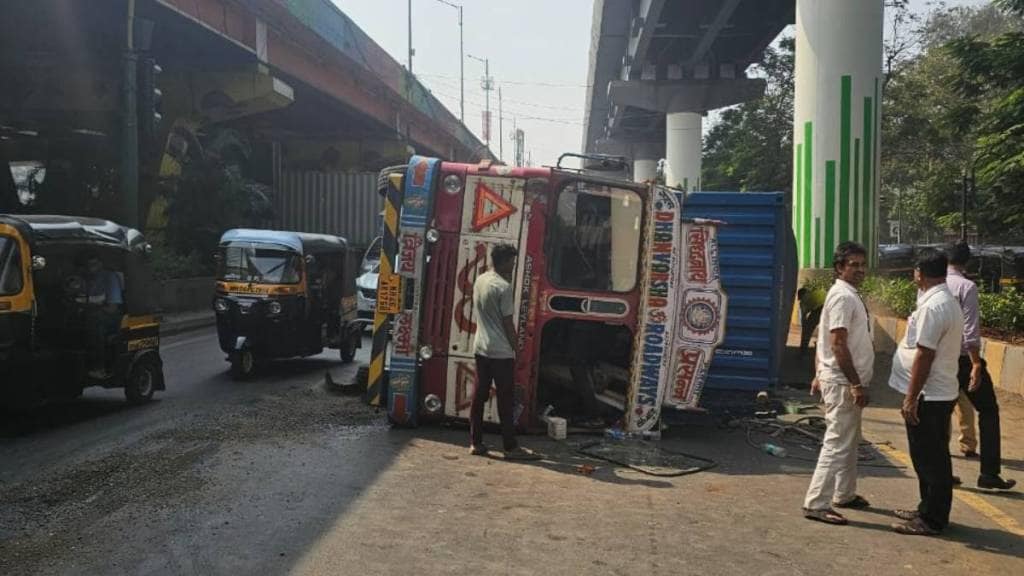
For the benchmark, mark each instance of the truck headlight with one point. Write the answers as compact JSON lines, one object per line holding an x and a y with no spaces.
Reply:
{"x":426,"y":353}
{"x":433,"y":235}
{"x":274,"y":307}
{"x":432,"y":403}
{"x":220,"y":305}
{"x":452,"y":184}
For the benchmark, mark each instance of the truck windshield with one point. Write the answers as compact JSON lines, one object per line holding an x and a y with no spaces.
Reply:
{"x":257,"y":263}
{"x":10,"y":267}
{"x":594,"y":240}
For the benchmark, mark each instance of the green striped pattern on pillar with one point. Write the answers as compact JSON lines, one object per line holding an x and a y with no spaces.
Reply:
{"x":844,"y":207}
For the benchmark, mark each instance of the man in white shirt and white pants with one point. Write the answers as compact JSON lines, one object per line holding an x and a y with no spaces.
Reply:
{"x":844,"y":362}
{"x":924,"y":369}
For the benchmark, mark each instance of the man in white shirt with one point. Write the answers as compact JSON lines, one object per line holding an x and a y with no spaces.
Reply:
{"x":924,"y":369}
{"x":844,"y":363}
{"x":494,"y":347}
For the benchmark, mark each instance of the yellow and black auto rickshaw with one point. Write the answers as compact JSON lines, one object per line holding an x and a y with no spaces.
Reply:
{"x":284,"y":295}
{"x":76,"y":310}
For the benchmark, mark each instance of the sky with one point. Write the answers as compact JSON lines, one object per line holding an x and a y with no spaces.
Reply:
{"x":538,"y":52}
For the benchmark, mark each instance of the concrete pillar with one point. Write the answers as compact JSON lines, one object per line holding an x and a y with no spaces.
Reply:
{"x":683,"y":150}
{"x":835,"y":127}
{"x":645,"y":169}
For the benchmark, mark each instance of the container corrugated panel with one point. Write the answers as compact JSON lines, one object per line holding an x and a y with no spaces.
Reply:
{"x":759,"y":278}
{"x":339,"y":203}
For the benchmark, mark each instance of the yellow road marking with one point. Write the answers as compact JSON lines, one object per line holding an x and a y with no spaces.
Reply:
{"x":979,"y":504}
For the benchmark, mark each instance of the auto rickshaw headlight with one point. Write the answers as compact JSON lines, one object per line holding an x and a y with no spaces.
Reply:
{"x":220,"y":305}
{"x":452,"y":184}
{"x":274,"y":307}
{"x":426,"y":353}
{"x":38,"y":262}
{"x":433,"y":235}
{"x":432,"y":403}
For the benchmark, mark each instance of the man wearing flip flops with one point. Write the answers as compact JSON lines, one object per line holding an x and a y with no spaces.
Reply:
{"x":844,"y":362}
{"x":494,"y":347}
{"x":924,"y":369}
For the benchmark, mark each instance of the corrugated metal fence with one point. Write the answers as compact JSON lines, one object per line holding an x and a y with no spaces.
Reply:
{"x":340,"y":203}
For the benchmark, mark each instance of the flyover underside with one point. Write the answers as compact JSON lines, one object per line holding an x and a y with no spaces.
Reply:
{"x":651,"y":58}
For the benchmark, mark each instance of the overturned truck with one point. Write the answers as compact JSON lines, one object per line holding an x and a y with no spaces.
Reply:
{"x":620,"y":299}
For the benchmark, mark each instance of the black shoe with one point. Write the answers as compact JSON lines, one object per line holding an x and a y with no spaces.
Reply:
{"x":956,"y":480}
{"x":970,"y":454}
{"x":995,"y":483}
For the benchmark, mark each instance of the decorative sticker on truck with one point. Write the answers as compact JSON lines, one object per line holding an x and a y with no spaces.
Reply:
{"x":410,"y":262}
{"x":657,"y":313}
{"x":701,"y":321}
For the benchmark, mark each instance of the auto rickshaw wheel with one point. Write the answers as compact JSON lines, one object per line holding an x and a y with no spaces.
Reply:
{"x":142,"y":382}
{"x":349,"y":347}
{"x":243,"y":364}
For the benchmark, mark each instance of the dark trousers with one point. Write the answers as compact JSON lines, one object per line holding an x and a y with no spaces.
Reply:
{"x":808,"y":322}
{"x":984,"y":401}
{"x":99,"y":325}
{"x":929,"y":449}
{"x":500,"y":372}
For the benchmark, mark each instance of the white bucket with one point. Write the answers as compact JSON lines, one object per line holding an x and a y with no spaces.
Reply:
{"x":556,"y":427}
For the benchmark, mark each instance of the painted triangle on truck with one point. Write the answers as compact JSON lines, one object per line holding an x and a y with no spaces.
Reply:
{"x":489,"y":207}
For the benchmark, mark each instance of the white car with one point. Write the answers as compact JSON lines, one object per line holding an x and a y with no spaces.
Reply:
{"x":366,"y":283}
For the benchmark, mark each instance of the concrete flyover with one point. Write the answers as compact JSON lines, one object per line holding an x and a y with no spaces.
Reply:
{"x":657,"y":66}
{"x":299,"y":80}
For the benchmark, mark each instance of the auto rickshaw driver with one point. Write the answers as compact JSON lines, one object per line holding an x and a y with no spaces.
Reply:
{"x":99,"y":294}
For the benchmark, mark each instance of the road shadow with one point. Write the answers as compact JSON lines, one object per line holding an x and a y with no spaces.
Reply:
{"x":19,"y":423}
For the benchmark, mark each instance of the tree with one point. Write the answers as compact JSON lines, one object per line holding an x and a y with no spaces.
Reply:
{"x":751,"y":146}
{"x":930,"y":125}
{"x":989,"y":77}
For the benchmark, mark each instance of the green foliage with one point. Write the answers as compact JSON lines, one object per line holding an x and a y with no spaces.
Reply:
{"x":212,"y":195}
{"x":1003,"y":312}
{"x":169,"y":264}
{"x":897,"y":295}
{"x":750,"y":147}
{"x":989,"y":75}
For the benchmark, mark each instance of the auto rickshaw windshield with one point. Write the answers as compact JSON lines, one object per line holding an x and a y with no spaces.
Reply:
{"x":10,"y":267}
{"x":260,"y":263}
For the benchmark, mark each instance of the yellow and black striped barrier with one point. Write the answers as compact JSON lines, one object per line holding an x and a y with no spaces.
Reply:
{"x":389,"y":289}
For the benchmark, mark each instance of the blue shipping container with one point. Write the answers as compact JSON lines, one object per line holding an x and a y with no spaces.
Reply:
{"x":757,"y":257}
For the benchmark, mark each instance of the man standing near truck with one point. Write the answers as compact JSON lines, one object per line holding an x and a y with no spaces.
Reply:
{"x":972,"y":374}
{"x":494,"y":348}
{"x":844,"y":365}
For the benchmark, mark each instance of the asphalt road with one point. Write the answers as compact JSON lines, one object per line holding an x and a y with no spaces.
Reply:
{"x":281,"y":476}
{"x":213,"y":476}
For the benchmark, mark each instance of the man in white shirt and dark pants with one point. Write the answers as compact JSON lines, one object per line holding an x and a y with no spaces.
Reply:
{"x":494,"y":347}
{"x":844,"y":363}
{"x":924,"y":369}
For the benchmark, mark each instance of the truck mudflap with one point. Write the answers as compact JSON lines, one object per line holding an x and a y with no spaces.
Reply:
{"x":682,"y":313}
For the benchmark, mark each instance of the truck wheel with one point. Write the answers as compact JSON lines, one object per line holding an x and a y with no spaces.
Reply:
{"x":243,"y":364}
{"x":142,"y":382}
{"x":349,"y":347}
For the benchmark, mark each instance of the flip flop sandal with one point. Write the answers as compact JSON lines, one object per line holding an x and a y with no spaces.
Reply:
{"x":827,"y":516}
{"x":856,"y":503}
{"x":915,"y":527}
{"x":907,"y":515}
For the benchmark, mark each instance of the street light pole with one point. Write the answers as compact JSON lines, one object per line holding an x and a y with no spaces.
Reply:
{"x":462,"y":64}
{"x":129,"y":173}
{"x":411,"y":51}
{"x":487,"y":86}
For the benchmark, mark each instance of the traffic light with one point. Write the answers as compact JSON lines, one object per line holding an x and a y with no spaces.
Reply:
{"x":149,"y":100}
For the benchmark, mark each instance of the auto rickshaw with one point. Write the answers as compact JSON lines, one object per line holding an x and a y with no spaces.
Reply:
{"x":284,"y":295}
{"x":58,"y":334}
